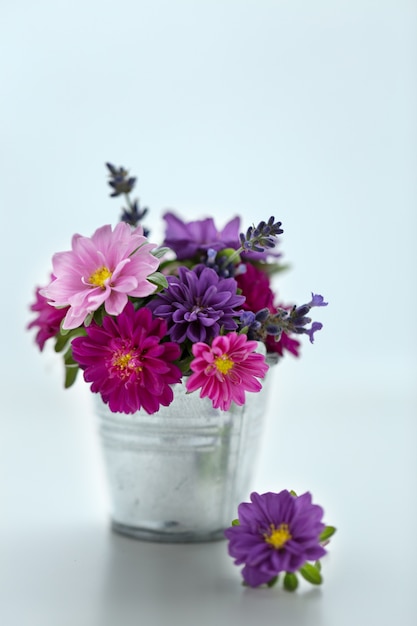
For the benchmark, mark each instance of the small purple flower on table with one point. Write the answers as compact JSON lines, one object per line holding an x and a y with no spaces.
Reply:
{"x":276,"y":532}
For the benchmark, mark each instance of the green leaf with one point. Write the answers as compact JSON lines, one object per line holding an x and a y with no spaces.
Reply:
{"x":184,"y":363}
{"x":68,"y":358}
{"x":272,"y":582}
{"x":317,"y":565}
{"x":62,"y":340}
{"x":311,"y":574}
{"x":235,"y":522}
{"x":290,"y":581}
{"x":292,"y":492}
{"x":275,"y":268}
{"x":99,"y":315}
{"x":328,"y":532}
{"x":62,"y":330}
{"x":71,"y":368}
{"x":160,"y":252}
{"x":71,"y":372}
{"x":170,"y":266}
{"x":158,"y":279}
{"x":88,"y":319}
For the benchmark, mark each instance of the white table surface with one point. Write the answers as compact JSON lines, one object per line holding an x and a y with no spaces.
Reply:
{"x":353,"y":446}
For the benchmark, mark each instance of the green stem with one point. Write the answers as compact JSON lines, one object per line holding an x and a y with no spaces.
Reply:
{"x":129,"y":204}
{"x":233,"y":257}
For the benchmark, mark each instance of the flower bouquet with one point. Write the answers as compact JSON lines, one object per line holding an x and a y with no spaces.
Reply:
{"x":138,"y":318}
{"x":174,"y":341}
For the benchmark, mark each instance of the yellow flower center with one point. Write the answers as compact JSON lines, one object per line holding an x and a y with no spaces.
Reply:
{"x":99,"y":277}
{"x":223,"y":363}
{"x":122,"y":361}
{"x":278,"y":537}
{"x":126,"y":363}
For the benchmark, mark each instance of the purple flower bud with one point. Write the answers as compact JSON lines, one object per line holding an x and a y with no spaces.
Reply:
{"x":262,"y":315}
{"x":273,"y":329}
{"x":310,"y":331}
{"x":247,"y":318}
{"x":317,"y":300}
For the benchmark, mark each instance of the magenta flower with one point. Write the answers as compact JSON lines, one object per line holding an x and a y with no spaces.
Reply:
{"x":226,"y":369}
{"x":48,"y":321}
{"x":127,"y":363}
{"x":104,"y":269}
{"x":277,"y":532}
{"x":188,"y":238}
{"x":256,"y":287}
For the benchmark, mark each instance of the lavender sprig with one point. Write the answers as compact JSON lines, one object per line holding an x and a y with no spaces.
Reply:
{"x":263,"y":323}
{"x":133,"y":215}
{"x":122,"y":183}
{"x":257,"y":239}
{"x":262,"y":236}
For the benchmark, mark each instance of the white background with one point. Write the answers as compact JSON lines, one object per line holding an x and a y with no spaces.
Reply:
{"x":302,"y":110}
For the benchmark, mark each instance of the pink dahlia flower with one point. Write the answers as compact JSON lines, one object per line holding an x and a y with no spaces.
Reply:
{"x":226,"y":369}
{"x":126,"y":362}
{"x":48,"y":320}
{"x":104,"y":269}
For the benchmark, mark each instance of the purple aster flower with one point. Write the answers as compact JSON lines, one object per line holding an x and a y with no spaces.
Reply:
{"x":186,"y":239}
{"x":277,"y":532}
{"x":127,"y":362}
{"x":197,"y":304}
